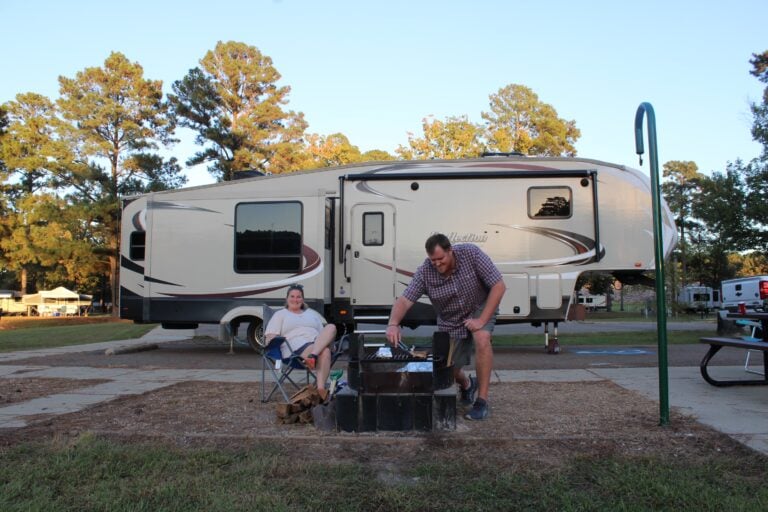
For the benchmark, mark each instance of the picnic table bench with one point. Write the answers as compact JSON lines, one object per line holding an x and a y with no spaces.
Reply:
{"x":716,"y":343}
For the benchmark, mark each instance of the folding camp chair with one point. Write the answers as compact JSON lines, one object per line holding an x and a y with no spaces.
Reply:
{"x":755,"y":327}
{"x":281,"y":367}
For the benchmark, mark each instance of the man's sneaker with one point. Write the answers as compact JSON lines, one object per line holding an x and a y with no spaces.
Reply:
{"x":479,"y":411}
{"x":468,"y":395}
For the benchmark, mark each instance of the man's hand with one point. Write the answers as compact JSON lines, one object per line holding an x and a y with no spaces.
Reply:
{"x":473,"y":324}
{"x":394,"y":336}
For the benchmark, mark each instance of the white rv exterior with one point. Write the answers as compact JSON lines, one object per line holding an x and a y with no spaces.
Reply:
{"x":752,"y":291}
{"x":699,"y":298}
{"x":592,"y":302}
{"x":353,"y":236}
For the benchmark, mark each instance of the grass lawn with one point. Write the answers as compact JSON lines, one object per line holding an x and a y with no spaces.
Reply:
{"x":93,"y":474}
{"x":43,"y":333}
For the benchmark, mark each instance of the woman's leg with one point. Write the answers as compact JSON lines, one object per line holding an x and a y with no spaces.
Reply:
{"x":323,"y":365}
{"x":324,"y":339}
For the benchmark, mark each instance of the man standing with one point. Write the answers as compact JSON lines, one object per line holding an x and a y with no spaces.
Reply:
{"x":465,"y":287}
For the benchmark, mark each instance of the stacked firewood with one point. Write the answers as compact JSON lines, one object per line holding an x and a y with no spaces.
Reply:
{"x":299,"y":407}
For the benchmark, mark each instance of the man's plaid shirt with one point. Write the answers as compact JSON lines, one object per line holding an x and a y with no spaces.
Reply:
{"x":457,"y":296}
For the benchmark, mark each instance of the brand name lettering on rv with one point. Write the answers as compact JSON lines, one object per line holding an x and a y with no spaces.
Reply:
{"x":459,"y":238}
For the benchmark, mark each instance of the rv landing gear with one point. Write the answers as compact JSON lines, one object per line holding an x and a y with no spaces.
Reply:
{"x":550,"y":343}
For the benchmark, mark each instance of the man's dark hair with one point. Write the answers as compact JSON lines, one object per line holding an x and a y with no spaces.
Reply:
{"x":435,"y":240}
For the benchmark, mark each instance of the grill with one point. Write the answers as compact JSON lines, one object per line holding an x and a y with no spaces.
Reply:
{"x":391,"y":389}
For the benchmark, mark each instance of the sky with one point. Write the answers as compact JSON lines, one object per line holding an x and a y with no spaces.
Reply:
{"x":374,"y":70}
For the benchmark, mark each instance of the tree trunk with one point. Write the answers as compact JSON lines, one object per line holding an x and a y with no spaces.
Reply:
{"x":114,"y":281}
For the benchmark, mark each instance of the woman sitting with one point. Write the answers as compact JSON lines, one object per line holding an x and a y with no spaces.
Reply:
{"x":305,"y":334}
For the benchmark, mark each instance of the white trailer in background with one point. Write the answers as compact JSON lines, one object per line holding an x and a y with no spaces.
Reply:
{"x":698,"y":298}
{"x":353,"y":236}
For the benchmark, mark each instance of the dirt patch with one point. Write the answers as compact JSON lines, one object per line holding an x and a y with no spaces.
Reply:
{"x":542,"y":422}
{"x":19,"y":390}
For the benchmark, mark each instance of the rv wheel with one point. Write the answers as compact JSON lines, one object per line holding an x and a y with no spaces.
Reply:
{"x":255,"y":335}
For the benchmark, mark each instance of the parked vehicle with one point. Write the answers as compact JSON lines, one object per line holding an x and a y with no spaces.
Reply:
{"x":752,"y":291}
{"x":353,"y":236}
{"x":592,"y":302}
{"x":697,"y":298}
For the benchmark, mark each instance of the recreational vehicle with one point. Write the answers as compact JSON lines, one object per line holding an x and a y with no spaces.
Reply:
{"x":752,"y":291}
{"x":592,"y":302}
{"x":354,"y":235}
{"x":697,"y":298}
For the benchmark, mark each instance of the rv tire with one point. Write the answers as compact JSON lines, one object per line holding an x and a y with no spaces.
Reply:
{"x":255,"y":334}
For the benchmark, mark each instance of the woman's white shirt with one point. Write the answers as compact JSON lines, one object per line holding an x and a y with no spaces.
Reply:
{"x":298,"y":328}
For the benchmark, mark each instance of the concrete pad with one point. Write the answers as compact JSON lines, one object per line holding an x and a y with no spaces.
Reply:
{"x":546,"y":376}
{"x":238,"y":376}
{"x":10,"y":370}
{"x":61,"y":403}
{"x":121,"y":387}
{"x":78,"y":372}
{"x":12,"y":422}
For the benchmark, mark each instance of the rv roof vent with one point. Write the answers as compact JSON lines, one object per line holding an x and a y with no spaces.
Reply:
{"x":510,"y":153}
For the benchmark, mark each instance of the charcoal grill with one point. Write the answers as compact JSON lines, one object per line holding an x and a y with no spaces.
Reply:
{"x":401,"y":392}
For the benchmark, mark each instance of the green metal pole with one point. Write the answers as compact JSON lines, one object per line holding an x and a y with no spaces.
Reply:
{"x":645,"y":109}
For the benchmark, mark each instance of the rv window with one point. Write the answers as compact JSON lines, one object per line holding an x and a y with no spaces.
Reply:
{"x":549,"y":202}
{"x":373,"y":228}
{"x":268,"y":237}
{"x":137,"y":248}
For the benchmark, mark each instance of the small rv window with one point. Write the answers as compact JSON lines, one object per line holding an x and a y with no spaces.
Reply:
{"x":549,"y":202}
{"x":268,"y":237}
{"x":373,"y":228}
{"x":137,"y":249}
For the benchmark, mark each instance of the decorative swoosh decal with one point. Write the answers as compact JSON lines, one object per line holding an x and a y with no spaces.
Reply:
{"x":400,"y":271}
{"x":313,"y":265}
{"x":364,"y":187}
{"x":583,"y":247}
{"x":167,"y":205}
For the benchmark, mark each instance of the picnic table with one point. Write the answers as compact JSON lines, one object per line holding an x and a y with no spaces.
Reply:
{"x":717,"y":343}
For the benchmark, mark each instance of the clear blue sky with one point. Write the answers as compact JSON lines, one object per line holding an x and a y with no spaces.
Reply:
{"x":373,"y":70}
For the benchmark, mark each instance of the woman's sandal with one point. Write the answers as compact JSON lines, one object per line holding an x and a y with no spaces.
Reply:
{"x":310,"y":361}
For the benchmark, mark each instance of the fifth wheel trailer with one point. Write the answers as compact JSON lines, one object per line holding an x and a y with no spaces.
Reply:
{"x":354,"y":235}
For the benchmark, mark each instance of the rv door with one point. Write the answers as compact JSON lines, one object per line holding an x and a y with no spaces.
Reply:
{"x":372,"y":254}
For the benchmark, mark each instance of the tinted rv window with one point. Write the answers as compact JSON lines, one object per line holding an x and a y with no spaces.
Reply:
{"x":373,"y":228}
{"x":138,"y":245}
{"x":549,"y":202}
{"x":268,"y":237}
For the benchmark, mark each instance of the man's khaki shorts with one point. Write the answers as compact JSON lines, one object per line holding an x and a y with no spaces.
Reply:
{"x":462,"y":353}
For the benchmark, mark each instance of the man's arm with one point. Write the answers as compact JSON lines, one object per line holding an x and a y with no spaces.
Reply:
{"x":399,"y":309}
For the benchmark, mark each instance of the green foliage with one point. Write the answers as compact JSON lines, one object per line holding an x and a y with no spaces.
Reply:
{"x":455,"y":137}
{"x":519,"y":121}
{"x":234,"y":104}
{"x":376,"y":155}
{"x":325,"y":151}
{"x":760,"y":110}
{"x":113,"y":121}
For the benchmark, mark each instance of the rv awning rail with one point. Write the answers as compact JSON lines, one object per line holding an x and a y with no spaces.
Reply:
{"x":474,"y":175}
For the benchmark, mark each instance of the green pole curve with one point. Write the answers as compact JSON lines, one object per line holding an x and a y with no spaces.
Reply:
{"x":645,"y":109}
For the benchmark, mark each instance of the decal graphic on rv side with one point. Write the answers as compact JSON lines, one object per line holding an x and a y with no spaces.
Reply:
{"x":312,"y":265}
